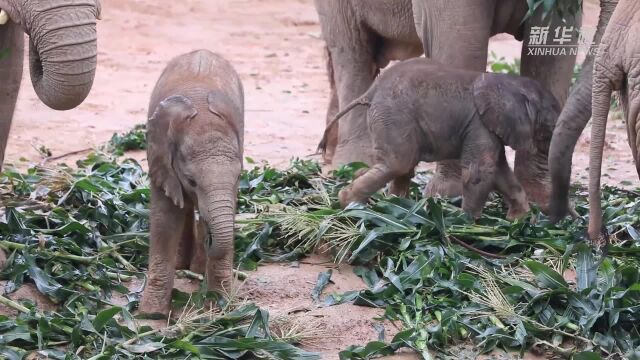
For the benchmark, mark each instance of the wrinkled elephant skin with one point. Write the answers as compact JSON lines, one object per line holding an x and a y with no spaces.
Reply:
{"x":616,"y":68}
{"x":572,"y":121}
{"x":452,"y":114}
{"x":456,"y":33}
{"x":62,"y":55}
{"x":361,"y":38}
{"x":195,"y":138}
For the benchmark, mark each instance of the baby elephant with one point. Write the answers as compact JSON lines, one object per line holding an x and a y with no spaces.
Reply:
{"x":420,"y":110}
{"x":195,"y":145}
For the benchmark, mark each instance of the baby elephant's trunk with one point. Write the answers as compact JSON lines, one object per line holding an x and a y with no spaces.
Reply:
{"x":218,"y":209}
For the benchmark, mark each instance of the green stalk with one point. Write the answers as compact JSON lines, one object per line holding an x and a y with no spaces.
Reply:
{"x":88,"y":286}
{"x":120,"y":277}
{"x":110,"y":249}
{"x":14,"y":305}
{"x":8,"y":245}
{"x":116,"y":236}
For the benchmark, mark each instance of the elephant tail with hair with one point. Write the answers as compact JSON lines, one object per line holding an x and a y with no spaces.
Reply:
{"x":361,"y":101}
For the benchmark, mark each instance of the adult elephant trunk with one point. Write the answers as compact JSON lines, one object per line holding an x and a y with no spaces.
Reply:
{"x":63,"y":49}
{"x":217,"y":208}
{"x":601,"y":102}
{"x":571,"y":123}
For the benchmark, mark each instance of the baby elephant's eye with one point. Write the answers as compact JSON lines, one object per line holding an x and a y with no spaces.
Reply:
{"x":191,"y":182}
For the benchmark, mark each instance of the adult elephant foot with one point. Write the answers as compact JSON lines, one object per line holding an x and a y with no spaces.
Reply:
{"x":447,"y":181}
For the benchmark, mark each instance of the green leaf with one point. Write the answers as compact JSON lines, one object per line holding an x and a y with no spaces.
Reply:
{"x":586,"y":355}
{"x":586,"y":269}
{"x":259,"y":327}
{"x":547,"y":276}
{"x":214,"y":345}
{"x":104,"y":316}
{"x":435,"y":210}
{"x":45,"y":283}
{"x":20,"y":332}
{"x":186,"y":346}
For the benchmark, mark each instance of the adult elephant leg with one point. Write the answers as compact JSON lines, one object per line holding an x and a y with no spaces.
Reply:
{"x":571,"y":122}
{"x":11,"y":59}
{"x":332,"y":136}
{"x":355,"y":69}
{"x":455,"y":33}
{"x":632,"y":114}
{"x":553,"y":71}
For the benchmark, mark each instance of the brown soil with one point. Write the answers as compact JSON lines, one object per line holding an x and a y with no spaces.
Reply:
{"x":276,"y":47}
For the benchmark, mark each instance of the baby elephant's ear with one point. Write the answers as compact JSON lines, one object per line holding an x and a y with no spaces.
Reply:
{"x":506,"y":109}
{"x":162,"y":141}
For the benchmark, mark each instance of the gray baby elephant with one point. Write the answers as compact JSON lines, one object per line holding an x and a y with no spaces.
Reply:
{"x":195,"y":145}
{"x":420,"y":110}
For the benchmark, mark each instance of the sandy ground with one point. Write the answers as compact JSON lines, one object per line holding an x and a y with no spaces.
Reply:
{"x":276,"y":47}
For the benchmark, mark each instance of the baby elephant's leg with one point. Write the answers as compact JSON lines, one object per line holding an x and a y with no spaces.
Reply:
{"x":167,"y":222}
{"x":396,"y":154}
{"x":199,"y":258}
{"x":446,"y":181}
{"x":185,"y":247}
{"x":400,"y":185}
{"x":479,"y":167}
{"x":367,"y":184}
{"x":507,"y":184}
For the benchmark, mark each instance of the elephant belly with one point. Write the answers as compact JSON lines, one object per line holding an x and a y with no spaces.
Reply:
{"x":442,"y":144}
{"x":390,"y":19}
{"x":393,"y":50}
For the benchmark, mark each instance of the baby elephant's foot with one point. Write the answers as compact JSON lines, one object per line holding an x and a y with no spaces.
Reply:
{"x":345,"y":197}
{"x":517,"y":212}
{"x":518,"y":204}
{"x":473,"y":213}
{"x":441,"y":187}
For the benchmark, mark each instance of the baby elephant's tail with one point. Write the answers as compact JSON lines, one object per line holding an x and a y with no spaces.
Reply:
{"x":361,"y":101}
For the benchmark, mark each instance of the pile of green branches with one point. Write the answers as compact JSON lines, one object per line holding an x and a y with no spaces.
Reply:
{"x":80,"y":234}
{"x":515,"y":285}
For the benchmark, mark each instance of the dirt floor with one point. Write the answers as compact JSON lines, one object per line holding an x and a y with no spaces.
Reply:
{"x":276,"y":47}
